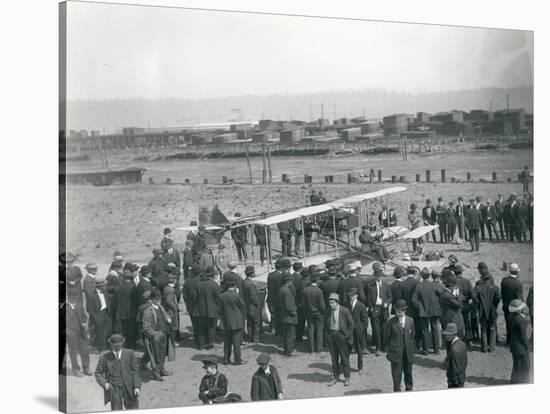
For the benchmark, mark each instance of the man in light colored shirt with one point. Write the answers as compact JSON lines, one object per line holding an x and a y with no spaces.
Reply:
{"x":340,"y":336}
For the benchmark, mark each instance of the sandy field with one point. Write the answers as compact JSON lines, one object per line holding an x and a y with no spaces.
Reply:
{"x":131,"y":219}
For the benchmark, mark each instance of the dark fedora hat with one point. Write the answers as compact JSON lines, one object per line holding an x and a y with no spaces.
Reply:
{"x":400,"y":305}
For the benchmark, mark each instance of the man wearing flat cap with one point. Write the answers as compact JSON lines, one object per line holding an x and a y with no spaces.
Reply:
{"x":519,"y":342}
{"x":118,"y":374}
{"x":457,"y":357}
{"x":289,"y":314}
{"x":486,"y":297}
{"x":232,"y":309}
{"x":252,"y":305}
{"x":360,"y":322}
{"x":315,"y":308}
{"x":379,"y":301}
{"x":511,"y":288}
{"x":266,"y":383}
{"x":101,"y":311}
{"x":400,"y":340}
{"x":214,"y":384}
{"x":339,"y":323}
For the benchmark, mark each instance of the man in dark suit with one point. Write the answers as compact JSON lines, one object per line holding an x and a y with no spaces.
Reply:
{"x":379,"y":301}
{"x":266,"y":383}
{"x":490,"y":220}
{"x":457,"y":357}
{"x":286,"y":230}
{"x":187,"y":259}
{"x":232,"y":277}
{"x":519,"y":342}
{"x":199,"y":243}
{"x":118,"y":374}
{"x":399,"y":337}
{"x":76,"y":319}
{"x":262,"y":239}
{"x":349,"y":281}
{"x":407,"y":290}
{"x":100,"y":308}
{"x":430,"y":217}
{"x":207,"y":305}
{"x":486,"y":296}
{"x":340,"y":336}
{"x":170,"y":303}
{"x":297,"y":287}
{"x":232,"y":310}
{"x":499,"y":215}
{"x":441,"y":216}
{"x":172,"y":255}
{"x":157,"y":264}
{"x":274,"y":281}
{"x":360,"y":322}
{"x":332,"y":283}
{"x":239,"y":234}
{"x":314,"y":308}
{"x":511,"y":288}
{"x":156,"y":331}
{"x":460,"y":213}
{"x":190,"y":298}
{"x":483,"y":210}
{"x":289,"y":314}
{"x":124,"y":308}
{"x":451,"y":221}
{"x":473,"y":224}
{"x":252,"y":305}
{"x":466,"y":292}
{"x":395,"y":287}
{"x":449,"y":302}
{"x":144,"y":285}
{"x":383,"y":217}
{"x":426,"y":301}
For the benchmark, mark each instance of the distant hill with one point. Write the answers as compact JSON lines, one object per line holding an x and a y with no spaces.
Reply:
{"x":110,"y":115}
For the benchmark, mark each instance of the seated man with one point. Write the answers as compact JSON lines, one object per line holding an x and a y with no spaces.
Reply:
{"x":373,"y":244}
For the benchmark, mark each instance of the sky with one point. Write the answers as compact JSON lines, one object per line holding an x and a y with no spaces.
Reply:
{"x":126,"y":51}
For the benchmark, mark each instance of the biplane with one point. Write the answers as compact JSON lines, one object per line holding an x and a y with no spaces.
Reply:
{"x":324,"y":231}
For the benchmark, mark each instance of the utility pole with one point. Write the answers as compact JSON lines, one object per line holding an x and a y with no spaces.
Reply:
{"x":322,"y":115}
{"x":507,"y":103}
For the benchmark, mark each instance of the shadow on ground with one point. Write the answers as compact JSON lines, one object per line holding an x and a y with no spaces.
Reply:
{"x":363,"y":392}
{"x":48,"y":401}
{"x":311,"y":377}
{"x":486,"y":380}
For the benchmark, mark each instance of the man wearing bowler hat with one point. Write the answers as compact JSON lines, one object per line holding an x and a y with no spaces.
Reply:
{"x":118,"y":374}
{"x":266,"y":383}
{"x":314,"y":307}
{"x":207,"y":306}
{"x":457,"y":357}
{"x":400,"y":342}
{"x":486,"y":296}
{"x":340,"y":337}
{"x":156,"y":330}
{"x":511,"y":288}
{"x":232,"y":309}
{"x":361,"y":323}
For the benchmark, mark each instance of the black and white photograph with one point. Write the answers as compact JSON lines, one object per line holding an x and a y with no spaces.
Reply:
{"x":260,"y":206}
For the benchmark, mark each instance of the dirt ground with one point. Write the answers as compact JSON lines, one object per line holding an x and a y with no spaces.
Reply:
{"x":131,"y":219}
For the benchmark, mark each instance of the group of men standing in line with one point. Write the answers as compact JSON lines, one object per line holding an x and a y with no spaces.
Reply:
{"x":513,"y":216}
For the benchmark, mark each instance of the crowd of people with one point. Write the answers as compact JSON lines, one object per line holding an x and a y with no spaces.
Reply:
{"x":137,"y":308}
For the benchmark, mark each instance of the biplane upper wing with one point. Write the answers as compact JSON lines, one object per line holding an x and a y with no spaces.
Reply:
{"x":419,"y":232}
{"x":321,"y":208}
{"x":366,"y":196}
{"x":196,"y":228}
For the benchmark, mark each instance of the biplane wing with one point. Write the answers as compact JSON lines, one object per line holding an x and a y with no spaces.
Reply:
{"x":419,"y":232}
{"x":340,"y":204}
{"x":390,"y":232}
